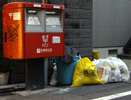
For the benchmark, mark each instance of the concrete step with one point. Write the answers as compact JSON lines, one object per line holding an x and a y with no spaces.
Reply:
{"x":127,"y":59}
{"x":124,"y":56}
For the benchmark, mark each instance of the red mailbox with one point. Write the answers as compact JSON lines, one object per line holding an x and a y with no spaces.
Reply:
{"x":33,"y":30}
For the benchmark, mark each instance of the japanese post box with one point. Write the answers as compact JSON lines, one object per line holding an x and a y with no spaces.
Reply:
{"x":33,"y":30}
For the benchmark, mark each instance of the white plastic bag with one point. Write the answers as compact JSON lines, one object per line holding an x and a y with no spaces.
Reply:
{"x":98,"y":63}
{"x":115,"y":76}
{"x":54,"y":78}
{"x":125,"y":75}
{"x":104,"y":73}
{"x":119,"y":70}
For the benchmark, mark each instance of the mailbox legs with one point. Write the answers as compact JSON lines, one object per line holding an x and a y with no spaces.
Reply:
{"x":34,"y":74}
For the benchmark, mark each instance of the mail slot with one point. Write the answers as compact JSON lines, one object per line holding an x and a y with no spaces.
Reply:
{"x":33,"y":30}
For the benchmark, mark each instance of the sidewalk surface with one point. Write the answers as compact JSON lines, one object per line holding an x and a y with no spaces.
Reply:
{"x":68,"y":93}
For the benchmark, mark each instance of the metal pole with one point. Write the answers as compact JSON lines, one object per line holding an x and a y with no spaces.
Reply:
{"x":46,"y":70}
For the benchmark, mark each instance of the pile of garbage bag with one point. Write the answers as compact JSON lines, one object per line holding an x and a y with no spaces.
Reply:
{"x":112,"y":69}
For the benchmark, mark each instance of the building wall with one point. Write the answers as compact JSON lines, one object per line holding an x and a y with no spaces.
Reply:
{"x":33,"y":1}
{"x":111,"y":23}
{"x":2,"y":2}
{"x":78,"y":24}
{"x":109,"y":51}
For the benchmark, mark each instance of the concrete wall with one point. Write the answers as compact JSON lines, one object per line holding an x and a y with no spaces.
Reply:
{"x":78,"y":24}
{"x":108,"y":52}
{"x":111,"y":22}
{"x":33,"y":1}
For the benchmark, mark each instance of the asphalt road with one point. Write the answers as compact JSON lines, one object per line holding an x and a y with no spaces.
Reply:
{"x":88,"y":92}
{"x":123,"y":98}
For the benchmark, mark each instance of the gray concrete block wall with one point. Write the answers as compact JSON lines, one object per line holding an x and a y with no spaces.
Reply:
{"x":76,"y":33}
{"x":1,"y":8}
{"x":17,"y":75}
{"x":86,"y":33}
{"x":85,"y":23}
{"x":77,"y":43}
{"x":72,"y":13}
{"x":78,"y":23}
{"x":1,"y":25}
{"x":32,"y":1}
{"x":87,"y":52}
{"x":84,"y":4}
{"x":78,"y":13}
{"x":2,"y":2}
{"x":1,"y":22}
{"x":71,"y":3}
{"x":72,"y":23}
{"x":111,"y":22}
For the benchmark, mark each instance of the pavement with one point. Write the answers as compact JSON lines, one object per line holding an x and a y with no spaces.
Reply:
{"x":88,"y":92}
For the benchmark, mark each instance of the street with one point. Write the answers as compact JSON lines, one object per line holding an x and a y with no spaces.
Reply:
{"x":88,"y":92}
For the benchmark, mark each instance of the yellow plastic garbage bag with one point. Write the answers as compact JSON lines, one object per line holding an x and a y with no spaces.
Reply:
{"x":85,"y":73}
